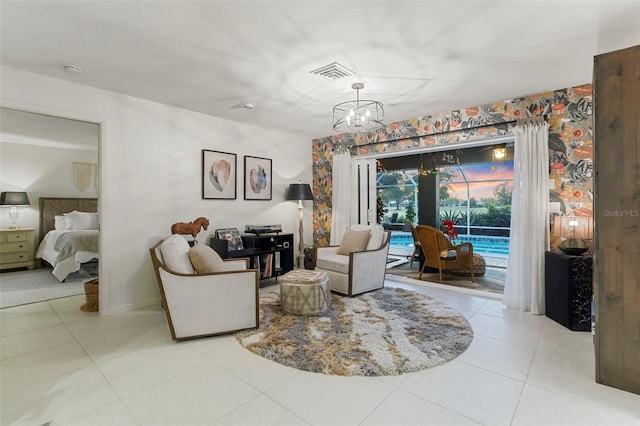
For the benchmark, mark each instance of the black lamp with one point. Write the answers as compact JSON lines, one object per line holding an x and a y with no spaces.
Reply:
{"x":300,"y":192}
{"x":14,"y":199}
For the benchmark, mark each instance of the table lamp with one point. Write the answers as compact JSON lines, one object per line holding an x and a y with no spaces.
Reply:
{"x":300,"y":192}
{"x":574,"y":230}
{"x":14,"y":199}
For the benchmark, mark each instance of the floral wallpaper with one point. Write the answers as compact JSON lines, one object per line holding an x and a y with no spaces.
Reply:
{"x":568,"y":112}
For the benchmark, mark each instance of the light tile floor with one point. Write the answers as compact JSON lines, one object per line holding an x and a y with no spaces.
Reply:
{"x":68,"y":367}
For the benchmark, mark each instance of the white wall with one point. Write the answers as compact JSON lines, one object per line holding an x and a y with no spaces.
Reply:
{"x":150,"y":167}
{"x":42,"y":172}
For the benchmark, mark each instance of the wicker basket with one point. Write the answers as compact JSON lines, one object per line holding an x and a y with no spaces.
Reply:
{"x":91,"y":291}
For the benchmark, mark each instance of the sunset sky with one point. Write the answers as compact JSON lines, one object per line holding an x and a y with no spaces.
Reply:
{"x":479,"y":172}
{"x":482,"y":179}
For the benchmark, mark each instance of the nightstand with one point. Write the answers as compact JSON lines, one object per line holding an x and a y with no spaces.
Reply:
{"x":568,"y":289}
{"x":17,"y":248}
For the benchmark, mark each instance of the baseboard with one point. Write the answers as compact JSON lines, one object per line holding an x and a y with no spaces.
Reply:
{"x":153,"y":302}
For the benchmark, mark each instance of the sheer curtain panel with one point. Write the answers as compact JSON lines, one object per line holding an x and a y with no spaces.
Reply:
{"x":341,"y":197}
{"x":524,"y":283}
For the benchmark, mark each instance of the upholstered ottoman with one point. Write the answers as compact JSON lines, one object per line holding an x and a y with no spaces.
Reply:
{"x":305,"y":292}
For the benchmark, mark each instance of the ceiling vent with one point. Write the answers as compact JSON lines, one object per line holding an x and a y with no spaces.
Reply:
{"x":333,"y":71}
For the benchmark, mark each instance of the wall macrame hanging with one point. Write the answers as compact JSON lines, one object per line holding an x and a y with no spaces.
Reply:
{"x":84,"y":174}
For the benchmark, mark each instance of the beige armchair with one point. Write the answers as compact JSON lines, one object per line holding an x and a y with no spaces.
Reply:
{"x":205,"y":304}
{"x":358,"y":271}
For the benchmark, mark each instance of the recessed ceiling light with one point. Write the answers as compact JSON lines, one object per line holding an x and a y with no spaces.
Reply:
{"x":247,"y":105}
{"x":72,"y":69}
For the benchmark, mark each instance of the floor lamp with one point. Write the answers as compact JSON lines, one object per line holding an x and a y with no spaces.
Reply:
{"x":300,"y":192}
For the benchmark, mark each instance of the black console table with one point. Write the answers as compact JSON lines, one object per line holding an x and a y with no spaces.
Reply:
{"x":272,"y":254}
{"x":568,"y":290}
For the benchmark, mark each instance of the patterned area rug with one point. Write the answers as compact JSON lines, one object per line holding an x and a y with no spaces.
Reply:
{"x":386,"y":332}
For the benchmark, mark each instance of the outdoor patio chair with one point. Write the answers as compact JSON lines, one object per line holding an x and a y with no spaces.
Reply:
{"x":441,"y":254}
{"x":416,"y":244}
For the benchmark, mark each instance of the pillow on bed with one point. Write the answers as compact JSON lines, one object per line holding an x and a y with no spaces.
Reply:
{"x":175,"y":254}
{"x":61,"y":223}
{"x":82,"y":220}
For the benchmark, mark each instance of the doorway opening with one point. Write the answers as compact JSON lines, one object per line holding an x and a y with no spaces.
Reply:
{"x":56,"y":161}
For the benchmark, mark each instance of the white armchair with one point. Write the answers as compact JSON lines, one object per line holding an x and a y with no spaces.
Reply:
{"x":361,"y":270}
{"x":205,"y":304}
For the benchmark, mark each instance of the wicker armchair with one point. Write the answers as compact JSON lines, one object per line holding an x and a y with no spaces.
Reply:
{"x":441,"y":254}
{"x":416,"y":244}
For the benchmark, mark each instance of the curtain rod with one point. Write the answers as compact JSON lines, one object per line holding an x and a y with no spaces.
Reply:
{"x":538,"y":119}
{"x":435,"y":134}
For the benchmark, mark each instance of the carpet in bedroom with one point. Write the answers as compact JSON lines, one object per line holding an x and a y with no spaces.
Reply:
{"x":38,"y":285}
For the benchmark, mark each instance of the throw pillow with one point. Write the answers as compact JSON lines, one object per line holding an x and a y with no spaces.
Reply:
{"x":175,"y":254}
{"x":205,"y":259}
{"x":376,"y":237}
{"x":82,"y":220}
{"x":61,"y":223}
{"x":448,"y":254}
{"x":354,"y":241}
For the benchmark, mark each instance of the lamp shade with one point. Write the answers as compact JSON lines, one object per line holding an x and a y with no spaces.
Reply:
{"x":299,"y":191}
{"x":573,"y":227}
{"x":14,"y":199}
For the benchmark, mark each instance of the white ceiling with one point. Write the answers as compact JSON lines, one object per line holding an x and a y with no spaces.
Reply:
{"x":416,"y":57}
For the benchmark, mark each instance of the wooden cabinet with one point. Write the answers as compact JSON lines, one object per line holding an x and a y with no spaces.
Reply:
{"x":17,"y":249}
{"x":616,"y":162}
{"x":271,"y":254}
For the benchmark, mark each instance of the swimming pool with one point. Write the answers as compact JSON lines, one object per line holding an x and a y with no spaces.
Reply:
{"x":492,"y":246}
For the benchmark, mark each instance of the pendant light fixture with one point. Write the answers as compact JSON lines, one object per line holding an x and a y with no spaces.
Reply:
{"x":359,"y":115}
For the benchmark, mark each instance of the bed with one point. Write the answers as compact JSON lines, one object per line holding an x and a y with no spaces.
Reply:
{"x":67,"y":249}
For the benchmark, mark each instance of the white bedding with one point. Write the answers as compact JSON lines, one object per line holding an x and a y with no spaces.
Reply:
{"x":68,"y":259}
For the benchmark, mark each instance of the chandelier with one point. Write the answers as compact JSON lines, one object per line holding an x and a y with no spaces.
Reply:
{"x":358,"y":116}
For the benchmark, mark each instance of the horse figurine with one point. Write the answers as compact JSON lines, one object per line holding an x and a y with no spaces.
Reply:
{"x":190,"y":228}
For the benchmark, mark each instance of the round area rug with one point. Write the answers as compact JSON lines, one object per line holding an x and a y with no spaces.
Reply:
{"x":386,"y":332}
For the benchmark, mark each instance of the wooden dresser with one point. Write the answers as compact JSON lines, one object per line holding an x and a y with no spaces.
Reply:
{"x":17,"y":248}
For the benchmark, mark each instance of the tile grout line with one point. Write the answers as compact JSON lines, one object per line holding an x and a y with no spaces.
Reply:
{"x":526,"y":381}
{"x":93,"y":362}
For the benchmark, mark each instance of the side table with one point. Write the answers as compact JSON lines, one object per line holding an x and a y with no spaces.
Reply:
{"x":568,"y":290}
{"x":305,"y":292}
{"x":17,"y":248}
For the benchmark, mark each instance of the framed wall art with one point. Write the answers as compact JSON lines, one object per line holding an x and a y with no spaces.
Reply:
{"x":257,"y":178}
{"x":218,"y":175}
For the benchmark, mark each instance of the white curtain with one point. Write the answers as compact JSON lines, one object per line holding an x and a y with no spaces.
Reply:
{"x":341,"y":198}
{"x":524,"y":284}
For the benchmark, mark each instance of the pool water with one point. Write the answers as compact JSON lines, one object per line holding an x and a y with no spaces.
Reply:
{"x":494,"y":246}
